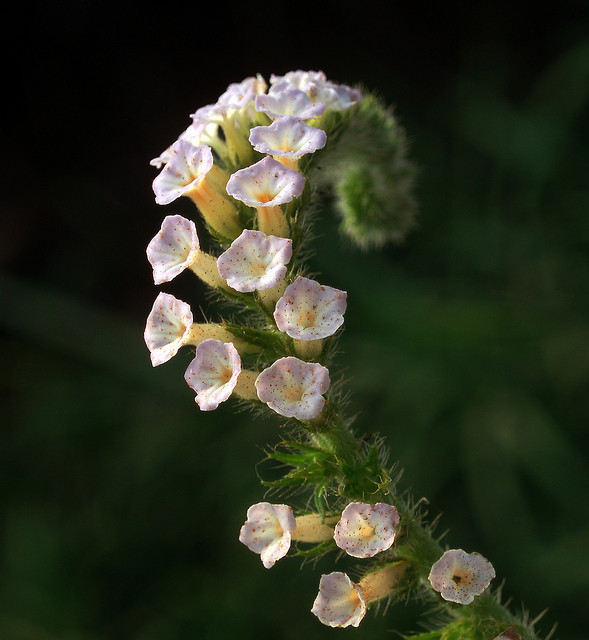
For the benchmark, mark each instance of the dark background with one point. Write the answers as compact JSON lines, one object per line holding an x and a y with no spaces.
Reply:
{"x":467,"y":346}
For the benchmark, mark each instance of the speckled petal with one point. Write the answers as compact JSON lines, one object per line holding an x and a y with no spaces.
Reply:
{"x":366,"y":529}
{"x":168,"y":326}
{"x":339,"y":602}
{"x":267,"y":531}
{"x":289,"y":137}
{"x":310,"y":311}
{"x":213,"y":373}
{"x":290,"y":102}
{"x":255,"y":261}
{"x":460,"y":576}
{"x":185,"y":169}
{"x":293,"y":388}
{"x":172,"y":249}
{"x":265,"y":184}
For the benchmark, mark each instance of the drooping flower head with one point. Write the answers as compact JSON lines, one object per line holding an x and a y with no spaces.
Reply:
{"x":173,"y":248}
{"x":289,"y":137}
{"x":339,"y":602}
{"x":366,"y":529}
{"x":460,"y":576}
{"x":267,"y":531}
{"x":265,"y":184}
{"x":309,"y":310}
{"x":255,"y":261}
{"x":213,"y":373}
{"x":290,"y":102}
{"x":293,"y":388}
{"x":167,"y":328}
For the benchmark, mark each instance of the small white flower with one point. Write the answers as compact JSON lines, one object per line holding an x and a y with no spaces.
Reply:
{"x":366,"y":529}
{"x":267,"y":531}
{"x":293,"y":388}
{"x":303,"y":80}
{"x":339,"y":602}
{"x":288,"y":136}
{"x":241,"y":94}
{"x":336,"y":97}
{"x":266,"y":183}
{"x":200,"y":132}
{"x":255,"y":261}
{"x":213,"y":373}
{"x":290,"y":102}
{"x":310,"y":311}
{"x":184,"y":171}
{"x":167,"y":328}
{"x":460,"y":576}
{"x":173,"y":249}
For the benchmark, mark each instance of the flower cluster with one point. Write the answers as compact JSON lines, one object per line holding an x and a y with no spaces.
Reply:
{"x":243,"y":200}
{"x":246,"y":162}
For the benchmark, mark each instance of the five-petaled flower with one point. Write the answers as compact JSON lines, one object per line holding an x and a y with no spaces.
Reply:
{"x":339,"y":602}
{"x":366,"y":529}
{"x":267,"y":531}
{"x":461,"y":576}
{"x":294,"y":388}
{"x":213,"y":373}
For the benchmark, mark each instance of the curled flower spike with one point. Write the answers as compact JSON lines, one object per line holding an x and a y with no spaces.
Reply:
{"x":287,"y":138}
{"x":366,"y":529}
{"x":266,"y":185}
{"x":293,"y":388}
{"x":339,"y":602}
{"x":168,"y":327}
{"x":309,"y":310}
{"x":460,"y":576}
{"x":213,"y":373}
{"x":255,"y":261}
{"x":290,"y":102}
{"x":267,"y":531}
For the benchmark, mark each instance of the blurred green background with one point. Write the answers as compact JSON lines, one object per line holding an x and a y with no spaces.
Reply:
{"x":467,"y":346}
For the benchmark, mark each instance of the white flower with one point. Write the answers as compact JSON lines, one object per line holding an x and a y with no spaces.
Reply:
{"x":293,"y":388}
{"x":288,"y":136}
{"x":460,"y":576}
{"x":184,"y":171}
{"x":255,"y":261}
{"x":267,"y":531}
{"x":339,"y":602}
{"x":241,"y":94}
{"x":168,"y":328}
{"x":290,"y":102}
{"x":213,"y":373}
{"x":336,"y":97}
{"x":310,"y":311}
{"x":173,"y":249}
{"x":366,"y":529}
{"x":265,"y":184}
{"x":200,"y":132}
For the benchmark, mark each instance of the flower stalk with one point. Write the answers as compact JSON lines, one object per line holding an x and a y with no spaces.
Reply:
{"x":280,"y":358}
